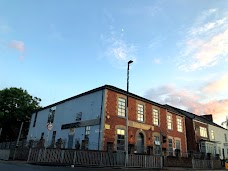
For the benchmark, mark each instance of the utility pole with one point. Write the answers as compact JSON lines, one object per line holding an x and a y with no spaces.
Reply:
{"x":126,"y":141}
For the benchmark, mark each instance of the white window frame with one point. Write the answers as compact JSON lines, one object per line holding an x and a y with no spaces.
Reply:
{"x":140,"y":113}
{"x":169,"y":122}
{"x":87,"y":130}
{"x":212,"y":135}
{"x":121,"y":107}
{"x":120,"y":132}
{"x":179,"y":124}
{"x":156,"y":116}
{"x":203,"y":132}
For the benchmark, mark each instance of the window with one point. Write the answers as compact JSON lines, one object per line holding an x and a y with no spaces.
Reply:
{"x":212,"y":135}
{"x":203,"y":132}
{"x":155,"y":117}
{"x":121,"y":107}
{"x":120,"y":140}
{"x":34,"y":123}
{"x":157,"y":146}
{"x":179,"y":125}
{"x":87,"y":132}
{"x":169,"y":121}
{"x":51,"y":114}
{"x":140,"y":112}
{"x":170,"y":146}
{"x":178,"y":144}
{"x":225,"y":137}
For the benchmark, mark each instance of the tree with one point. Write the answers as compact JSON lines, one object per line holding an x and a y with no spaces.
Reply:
{"x":16,"y":106}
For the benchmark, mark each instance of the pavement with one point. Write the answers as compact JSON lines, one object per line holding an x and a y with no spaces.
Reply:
{"x":15,"y":164}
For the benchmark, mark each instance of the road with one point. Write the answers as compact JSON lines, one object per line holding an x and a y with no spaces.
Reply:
{"x":18,"y":165}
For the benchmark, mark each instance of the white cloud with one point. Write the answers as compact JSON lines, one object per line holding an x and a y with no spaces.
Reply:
{"x":18,"y":45}
{"x":192,"y":100}
{"x":116,"y":49}
{"x":206,"y":42}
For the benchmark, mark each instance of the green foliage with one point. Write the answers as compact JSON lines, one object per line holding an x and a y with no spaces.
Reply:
{"x":16,"y":106}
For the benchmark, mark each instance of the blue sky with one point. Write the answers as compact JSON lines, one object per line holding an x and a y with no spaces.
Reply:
{"x":57,"y":49}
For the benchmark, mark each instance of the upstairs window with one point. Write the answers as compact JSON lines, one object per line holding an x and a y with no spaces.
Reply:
{"x":155,"y":117}
{"x":169,"y":122}
{"x":121,"y":107}
{"x":225,"y":137}
{"x":179,"y":125}
{"x":140,"y":111}
{"x":51,"y":114}
{"x":203,"y":132}
{"x":212,"y":135}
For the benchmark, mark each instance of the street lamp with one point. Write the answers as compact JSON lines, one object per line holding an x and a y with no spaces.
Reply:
{"x":126,"y":142}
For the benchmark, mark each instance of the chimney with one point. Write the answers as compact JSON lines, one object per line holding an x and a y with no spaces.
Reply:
{"x":209,"y":117}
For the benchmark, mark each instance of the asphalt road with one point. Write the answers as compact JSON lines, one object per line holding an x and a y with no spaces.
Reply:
{"x":18,"y":165}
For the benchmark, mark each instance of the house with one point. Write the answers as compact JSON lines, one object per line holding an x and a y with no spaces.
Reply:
{"x":96,"y":120}
{"x":204,"y":136}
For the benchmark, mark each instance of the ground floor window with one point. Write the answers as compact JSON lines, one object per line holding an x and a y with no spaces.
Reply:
{"x":170,"y":146}
{"x":120,"y":140}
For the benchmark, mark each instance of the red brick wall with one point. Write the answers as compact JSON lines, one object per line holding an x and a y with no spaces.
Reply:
{"x":197,"y":129}
{"x":190,"y":133}
{"x":112,"y":119}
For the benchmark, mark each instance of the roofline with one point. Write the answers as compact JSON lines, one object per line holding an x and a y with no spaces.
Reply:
{"x":109,"y":87}
{"x":73,"y":97}
{"x":196,"y":117}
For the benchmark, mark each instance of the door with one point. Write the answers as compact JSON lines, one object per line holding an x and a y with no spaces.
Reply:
{"x":70,"y":141}
{"x":140,"y":143}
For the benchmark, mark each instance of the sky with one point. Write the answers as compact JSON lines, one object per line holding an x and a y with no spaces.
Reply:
{"x":57,"y":49}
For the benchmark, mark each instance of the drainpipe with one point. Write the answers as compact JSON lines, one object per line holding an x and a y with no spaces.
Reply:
{"x":99,"y":135}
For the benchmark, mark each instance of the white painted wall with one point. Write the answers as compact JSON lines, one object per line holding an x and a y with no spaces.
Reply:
{"x":89,"y":105}
{"x":219,"y":134}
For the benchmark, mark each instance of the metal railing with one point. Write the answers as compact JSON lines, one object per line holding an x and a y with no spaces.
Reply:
{"x":97,"y":158}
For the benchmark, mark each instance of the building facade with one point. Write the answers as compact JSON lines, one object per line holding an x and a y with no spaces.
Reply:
{"x":96,"y":120}
{"x":204,"y":136}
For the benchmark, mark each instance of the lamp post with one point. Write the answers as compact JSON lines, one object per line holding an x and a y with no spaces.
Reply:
{"x":126,"y":142}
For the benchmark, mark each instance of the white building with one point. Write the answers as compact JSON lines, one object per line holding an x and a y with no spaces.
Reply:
{"x":219,"y":141}
{"x":74,"y":120}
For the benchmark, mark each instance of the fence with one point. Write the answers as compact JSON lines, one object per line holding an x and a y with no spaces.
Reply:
{"x":92,"y":158}
{"x":4,"y":154}
{"x":206,"y":164}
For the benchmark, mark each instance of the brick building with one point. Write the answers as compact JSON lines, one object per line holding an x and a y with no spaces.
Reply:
{"x":204,"y":136}
{"x":96,"y":120}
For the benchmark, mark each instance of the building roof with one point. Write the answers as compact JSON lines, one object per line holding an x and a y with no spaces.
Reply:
{"x":109,"y":87}
{"x":194,"y":116}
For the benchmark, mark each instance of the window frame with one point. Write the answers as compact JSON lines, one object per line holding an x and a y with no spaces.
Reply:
{"x":121,"y":110}
{"x":203,"y":131}
{"x":169,"y":122}
{"x":156,"y":117}
{"x":177,"y":140}
{"x":120,"y":137}
{"x":140,"y":112}
{"x":212,"y":135}
{"x":179,"y":124}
